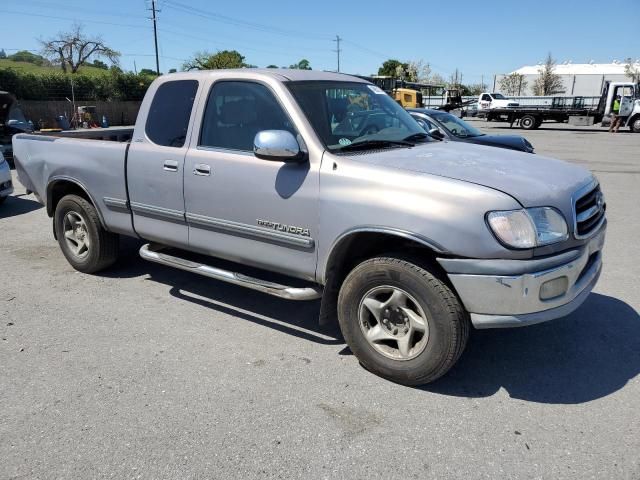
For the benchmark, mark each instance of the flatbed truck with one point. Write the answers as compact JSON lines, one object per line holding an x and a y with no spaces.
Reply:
{"x":531,"y":117}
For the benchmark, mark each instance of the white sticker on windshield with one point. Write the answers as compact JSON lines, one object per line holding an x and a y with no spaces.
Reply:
{"x":376,"y":89}
{"x":344,"y":142}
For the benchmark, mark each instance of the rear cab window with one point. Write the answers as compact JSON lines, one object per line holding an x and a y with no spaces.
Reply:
{"x":170,"y":111}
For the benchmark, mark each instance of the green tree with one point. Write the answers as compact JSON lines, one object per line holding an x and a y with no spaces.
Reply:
{"x":548,"y":82}
{"x":215,"y":61}
{"x":26,"y":56}
{"x":392,"y":68}
{"x":272,"y":66}
{"x":301,"y":65}
{"x":73,"y":49}
{"x":513,"y":84}
{"x":100,"y":64}
{"x":632,"y":70}
{"x":148,"y":72}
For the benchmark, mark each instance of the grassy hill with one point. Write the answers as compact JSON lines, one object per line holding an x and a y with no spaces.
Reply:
{"x":36,"y":69}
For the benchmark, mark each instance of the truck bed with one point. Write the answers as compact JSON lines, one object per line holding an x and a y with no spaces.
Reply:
{"x":95,"y":159}
{"x":110,"y":134}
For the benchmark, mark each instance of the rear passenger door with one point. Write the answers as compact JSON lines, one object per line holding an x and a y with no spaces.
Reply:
{"x":155,"y":166}
{"x":242,"y":208}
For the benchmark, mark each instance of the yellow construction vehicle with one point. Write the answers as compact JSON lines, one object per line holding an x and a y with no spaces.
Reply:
{"x":407,"y":94}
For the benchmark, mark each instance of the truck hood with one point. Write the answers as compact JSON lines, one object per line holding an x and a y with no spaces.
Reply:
{"x":533,"y":180}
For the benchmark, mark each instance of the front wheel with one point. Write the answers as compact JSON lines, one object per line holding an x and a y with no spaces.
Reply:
{"x":401,"y":321}
{"x":87,"y":246}
{"x":635,"y":125}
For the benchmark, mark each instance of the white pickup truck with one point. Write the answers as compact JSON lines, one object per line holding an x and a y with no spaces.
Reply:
{"x":329,"y":189}
{"x":489,"y":101}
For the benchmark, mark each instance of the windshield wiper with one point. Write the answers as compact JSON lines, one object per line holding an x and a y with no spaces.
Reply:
{"x":375,"y":143}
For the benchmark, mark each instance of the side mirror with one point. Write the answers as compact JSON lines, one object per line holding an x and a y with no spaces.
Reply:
{"x":278,"y":145}
{"x":435,"y":133}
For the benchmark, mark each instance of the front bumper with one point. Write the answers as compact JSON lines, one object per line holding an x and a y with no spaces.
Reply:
{"x":507,"y":293}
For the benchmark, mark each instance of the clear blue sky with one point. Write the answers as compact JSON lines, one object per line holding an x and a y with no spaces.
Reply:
{"x":478,"y":38}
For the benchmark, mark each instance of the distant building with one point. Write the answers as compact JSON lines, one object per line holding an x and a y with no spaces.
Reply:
{"x":584,"y":79}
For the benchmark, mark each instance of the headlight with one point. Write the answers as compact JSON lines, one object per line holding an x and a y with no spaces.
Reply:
{"x":528,"y":228}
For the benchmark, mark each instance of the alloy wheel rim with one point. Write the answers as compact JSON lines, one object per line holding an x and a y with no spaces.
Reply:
{"x":393,"y":323}
{"x":76,"y":234}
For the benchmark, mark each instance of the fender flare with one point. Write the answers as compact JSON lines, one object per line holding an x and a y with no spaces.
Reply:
{"x":400,"y":234}
{"x":63,"y":178}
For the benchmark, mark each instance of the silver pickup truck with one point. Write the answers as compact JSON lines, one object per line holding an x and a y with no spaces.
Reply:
{"x":326,"y":188}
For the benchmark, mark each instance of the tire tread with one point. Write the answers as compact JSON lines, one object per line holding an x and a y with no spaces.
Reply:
{"x":108,"y":242}
{"x":450,"y":299}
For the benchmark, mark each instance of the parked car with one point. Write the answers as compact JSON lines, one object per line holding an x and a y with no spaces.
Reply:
{"x":6,"y":187}
{"x":408,"y":241}
{"x":443,"y":125}
{"x":12,"y":121}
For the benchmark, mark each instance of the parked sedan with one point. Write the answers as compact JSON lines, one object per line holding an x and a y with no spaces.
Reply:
{"x":443,"y":125}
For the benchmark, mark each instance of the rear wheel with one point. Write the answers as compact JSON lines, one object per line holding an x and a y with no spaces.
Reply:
{"x":528,"y":122}
{"x":401,"y":321}
{"x":635,"y":125}
{"x":87,"y":246}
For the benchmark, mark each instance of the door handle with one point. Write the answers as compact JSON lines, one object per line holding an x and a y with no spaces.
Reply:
{"x":170,"y":166}
{"x":202,"y":169}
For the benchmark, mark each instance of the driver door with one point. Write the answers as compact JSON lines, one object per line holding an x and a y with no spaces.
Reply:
{"x":239,"y":207}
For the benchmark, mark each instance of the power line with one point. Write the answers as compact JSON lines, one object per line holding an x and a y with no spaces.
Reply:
{"x":182,"y":36}
{"x":130,"y":25}
{"x":238,"y":22}
{"x":75,"y":9}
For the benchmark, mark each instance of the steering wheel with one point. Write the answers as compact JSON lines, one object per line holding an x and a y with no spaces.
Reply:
{"x":370,"y":130}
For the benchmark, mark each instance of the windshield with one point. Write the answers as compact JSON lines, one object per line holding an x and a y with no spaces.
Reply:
{"x":455,"y":126}
{"x":346,"y":113}
{"x":498,"y":96}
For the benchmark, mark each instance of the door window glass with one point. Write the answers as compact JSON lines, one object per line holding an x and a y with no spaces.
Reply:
{"x":237,"y":111}
{"x":168,"y":119}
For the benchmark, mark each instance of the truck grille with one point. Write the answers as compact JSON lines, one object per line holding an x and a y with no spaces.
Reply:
{"x":589,"y":212}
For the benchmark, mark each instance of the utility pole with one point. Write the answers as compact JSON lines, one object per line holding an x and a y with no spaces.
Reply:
{"x":155,"y":34}
{"x":337,"y":50}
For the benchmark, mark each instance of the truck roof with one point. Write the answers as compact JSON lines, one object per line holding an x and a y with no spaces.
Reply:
{"x":282,"y":74}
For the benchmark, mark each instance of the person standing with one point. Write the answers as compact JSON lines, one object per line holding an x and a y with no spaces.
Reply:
{"x":615,"y":116}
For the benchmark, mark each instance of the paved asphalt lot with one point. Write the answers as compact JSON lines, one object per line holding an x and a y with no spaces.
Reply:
{"x":147,"y":372}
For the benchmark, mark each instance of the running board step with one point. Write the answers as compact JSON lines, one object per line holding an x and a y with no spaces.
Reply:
{"x":153,"y":253}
